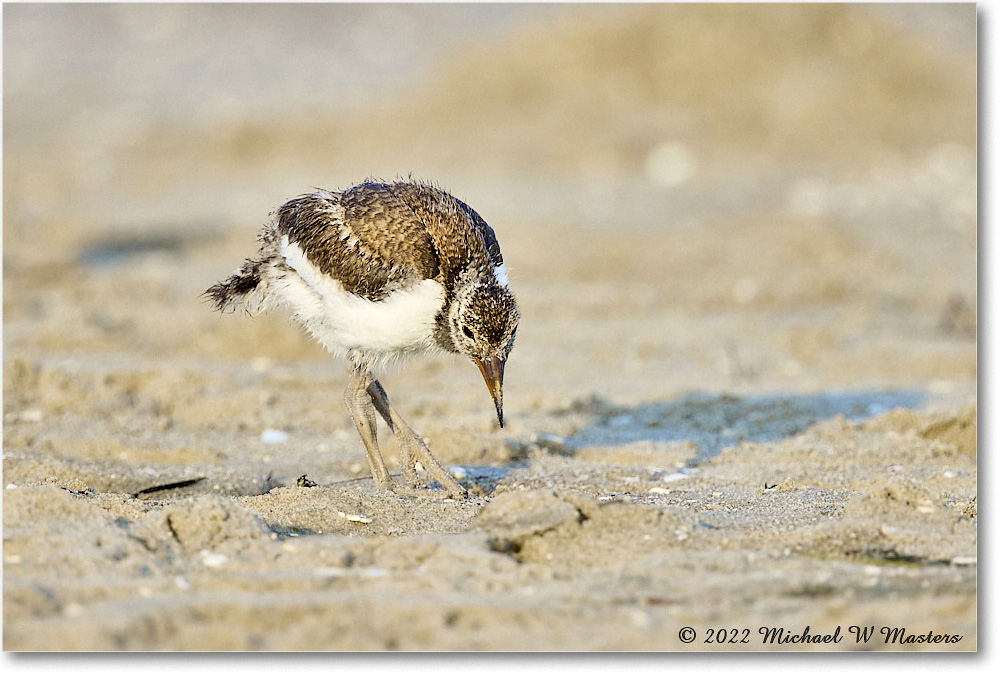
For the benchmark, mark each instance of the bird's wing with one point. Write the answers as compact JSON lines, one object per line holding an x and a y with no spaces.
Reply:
{"x":344,"y":236}
{"x":375,"y":237}
{"x":459,"y":237}
{"x":387,"y":221}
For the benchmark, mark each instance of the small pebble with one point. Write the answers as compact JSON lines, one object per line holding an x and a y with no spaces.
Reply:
{"x":273,"y":436}
{"x":209,"y":559}
{"x":354,"y":517}
{"x":671,"y":477}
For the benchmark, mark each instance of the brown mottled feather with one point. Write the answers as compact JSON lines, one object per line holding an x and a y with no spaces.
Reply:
{"x":374,"y":238}
{"x":388,"y":235}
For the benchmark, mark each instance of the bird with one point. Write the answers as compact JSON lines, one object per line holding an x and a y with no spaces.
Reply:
{"x":379,"y":273}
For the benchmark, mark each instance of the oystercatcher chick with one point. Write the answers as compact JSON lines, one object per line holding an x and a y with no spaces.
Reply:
{"x":380,"y":272}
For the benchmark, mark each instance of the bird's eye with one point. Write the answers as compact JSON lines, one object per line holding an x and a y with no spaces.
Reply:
{"x":466,"y":331}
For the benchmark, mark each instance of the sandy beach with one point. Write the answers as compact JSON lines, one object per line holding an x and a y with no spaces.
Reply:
{"x":743,"y":398}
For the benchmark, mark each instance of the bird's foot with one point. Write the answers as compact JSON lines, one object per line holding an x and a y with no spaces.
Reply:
{"x":413,"y":450}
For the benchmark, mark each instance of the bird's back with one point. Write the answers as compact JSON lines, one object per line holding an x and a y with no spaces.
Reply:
{"x":376,"y":237}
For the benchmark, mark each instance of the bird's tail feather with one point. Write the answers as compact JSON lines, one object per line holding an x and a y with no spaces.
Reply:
{"x":243,"y":289}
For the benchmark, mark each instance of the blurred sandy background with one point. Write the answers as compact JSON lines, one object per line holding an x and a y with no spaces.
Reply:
{"x":744,"y":391}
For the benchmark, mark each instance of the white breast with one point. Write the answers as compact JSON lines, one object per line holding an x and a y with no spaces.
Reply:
{"x":399,"y":324}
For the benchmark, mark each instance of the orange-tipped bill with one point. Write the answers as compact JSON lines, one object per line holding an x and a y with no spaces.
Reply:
{"x":492,"y":370}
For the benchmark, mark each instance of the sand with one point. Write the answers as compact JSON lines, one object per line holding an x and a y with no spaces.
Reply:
{"x":743,"y":395}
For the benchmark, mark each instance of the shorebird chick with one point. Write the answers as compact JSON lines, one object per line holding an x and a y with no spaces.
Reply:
{"x":379,"y":272}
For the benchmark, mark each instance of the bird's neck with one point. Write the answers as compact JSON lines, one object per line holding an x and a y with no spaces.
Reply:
{"x":463,"y":289}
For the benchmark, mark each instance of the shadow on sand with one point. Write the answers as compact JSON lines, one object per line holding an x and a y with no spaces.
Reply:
{"x":717,"y":421}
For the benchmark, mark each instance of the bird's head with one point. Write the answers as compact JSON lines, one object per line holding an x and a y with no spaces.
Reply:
{"x":482,"y":324}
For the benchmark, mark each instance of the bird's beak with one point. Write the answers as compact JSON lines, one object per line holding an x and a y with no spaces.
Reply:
{"x":492,"y":370}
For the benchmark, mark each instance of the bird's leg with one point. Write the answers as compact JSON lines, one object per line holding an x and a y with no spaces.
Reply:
{"x":378,"y":398}
{"x":359,"y":403}
{"x":411,"y":447}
